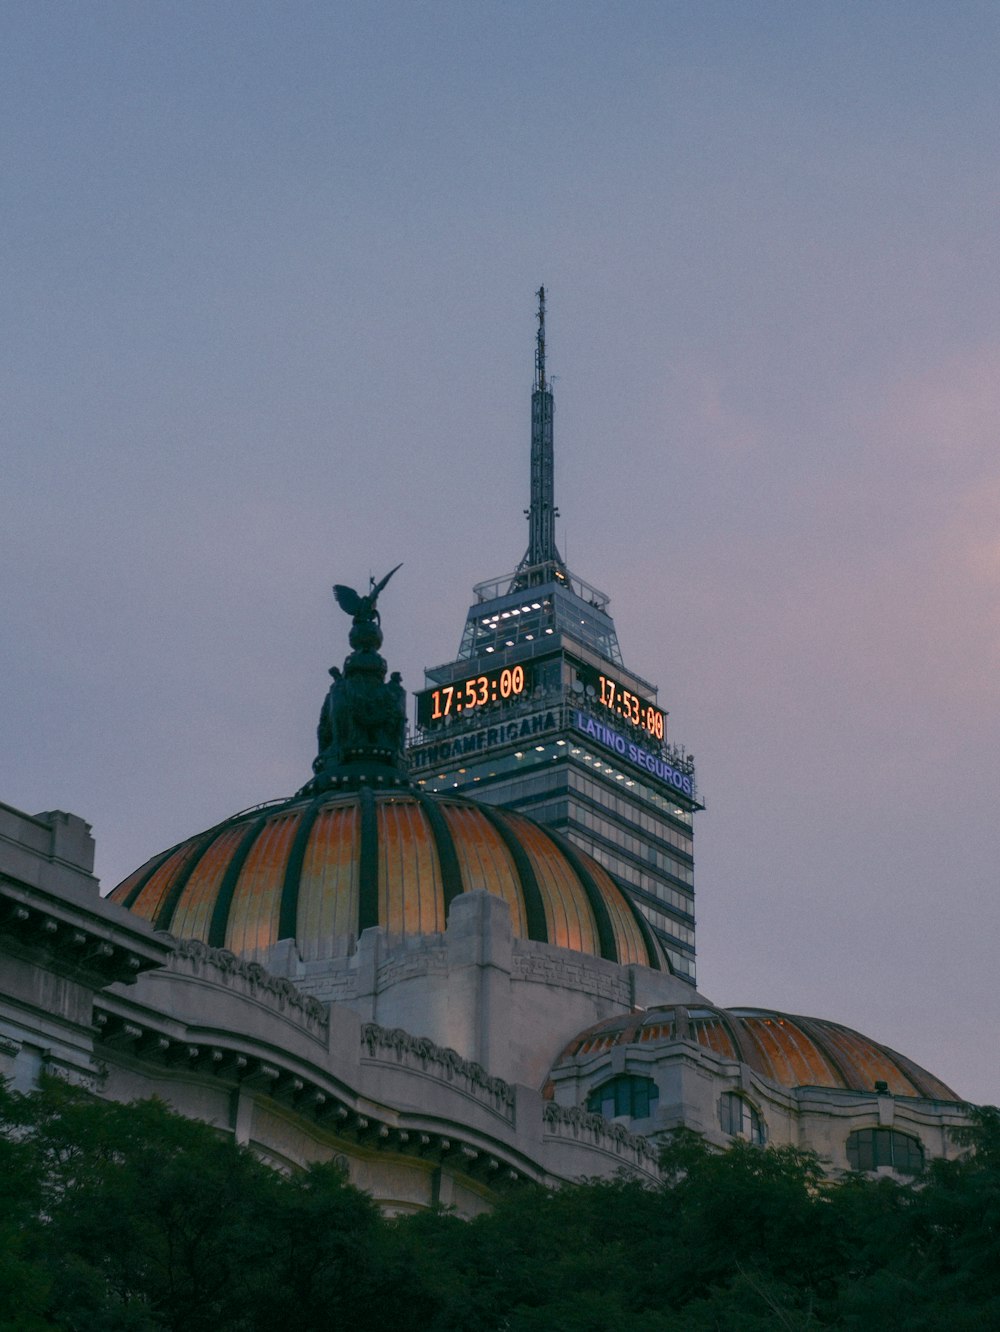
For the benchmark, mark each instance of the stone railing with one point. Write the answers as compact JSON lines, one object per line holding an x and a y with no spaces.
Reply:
{"x":258,"y":980}
{"x":420,"y":1053}
{"x":596,"y":1131}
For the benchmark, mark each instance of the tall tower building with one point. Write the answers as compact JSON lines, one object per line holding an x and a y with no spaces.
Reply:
{"x":539,"y":713}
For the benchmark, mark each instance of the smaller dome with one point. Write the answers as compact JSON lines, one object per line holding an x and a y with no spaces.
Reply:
{"x":320,"y":868}
{"x":787,"y":1050}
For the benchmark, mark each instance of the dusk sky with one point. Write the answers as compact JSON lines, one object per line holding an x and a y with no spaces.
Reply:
{"x":268,"y":319}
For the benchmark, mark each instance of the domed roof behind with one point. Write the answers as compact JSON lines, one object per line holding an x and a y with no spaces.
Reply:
{"x":320,"y":868}
{"x":787,"y":1050}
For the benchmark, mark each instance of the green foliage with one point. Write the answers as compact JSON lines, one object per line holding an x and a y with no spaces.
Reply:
{"x":131,"y":1219}
{"x":134,"y":1218}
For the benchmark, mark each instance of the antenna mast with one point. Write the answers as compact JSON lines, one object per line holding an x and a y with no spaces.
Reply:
{"x":542,"y":513}
{"x":540,"y":343}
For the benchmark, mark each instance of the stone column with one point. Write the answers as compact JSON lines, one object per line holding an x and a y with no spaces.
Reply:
{"x":480,"y":958}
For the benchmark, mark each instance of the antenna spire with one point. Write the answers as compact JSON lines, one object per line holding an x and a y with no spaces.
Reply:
{"x":540,"y":343}
{"x":542,"y":513}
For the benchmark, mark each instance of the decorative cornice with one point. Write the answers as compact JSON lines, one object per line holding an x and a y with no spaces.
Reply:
{"x":423,"y":1050}
{"x":85,"y":945}
{"x":317,"y":1096}
{"x":562,"y":1119}
{"x":258,"y":978}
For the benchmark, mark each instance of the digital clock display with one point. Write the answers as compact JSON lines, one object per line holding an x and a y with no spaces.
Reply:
{"x":465,"y":696}
{"x":605,"y":691}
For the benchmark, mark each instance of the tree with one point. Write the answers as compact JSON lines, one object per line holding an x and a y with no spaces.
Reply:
{"x":119,"y":1218}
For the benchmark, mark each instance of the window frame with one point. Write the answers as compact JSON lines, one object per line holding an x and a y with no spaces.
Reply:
{"x":631,"y":1095}
{"x":751,"y":1125}
{"x":882,"y":1146}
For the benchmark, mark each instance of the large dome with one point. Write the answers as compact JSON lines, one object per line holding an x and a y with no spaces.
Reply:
{"x":787,"y":1050}
{"x":321,"y":868}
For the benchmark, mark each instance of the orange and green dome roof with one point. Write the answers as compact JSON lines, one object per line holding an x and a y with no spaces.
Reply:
{"x":320,"y":868}
{"x":787,"y":1050}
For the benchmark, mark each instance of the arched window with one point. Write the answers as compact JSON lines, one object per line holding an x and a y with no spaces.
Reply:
{"x":624,"y":1095}
{"x":867,"y":1149}
{"x":740,"y":1119}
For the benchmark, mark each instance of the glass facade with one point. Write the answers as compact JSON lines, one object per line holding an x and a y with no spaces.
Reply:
{"x":582,"y":747}
{"x":509,"y":620}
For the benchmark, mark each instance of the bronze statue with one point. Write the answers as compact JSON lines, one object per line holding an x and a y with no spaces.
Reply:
{"x":362,"y":727}
{"x":362,"y":608}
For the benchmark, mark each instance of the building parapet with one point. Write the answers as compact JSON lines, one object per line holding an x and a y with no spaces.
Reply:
{"x":417,"y":1052}
{"x":604,"y":1134}
{"x":95,"y":948}
{"x":492,"y":589}
{"x":257,"y":979}
{"x":544,"y":965}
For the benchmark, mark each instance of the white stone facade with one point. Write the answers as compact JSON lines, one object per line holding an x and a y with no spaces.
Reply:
{"x":432,"y":1069}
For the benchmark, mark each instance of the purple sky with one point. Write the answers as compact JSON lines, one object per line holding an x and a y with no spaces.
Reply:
{"x":268,"y":320}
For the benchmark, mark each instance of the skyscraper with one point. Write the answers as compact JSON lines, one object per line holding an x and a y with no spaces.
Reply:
{"x":539,"y":713}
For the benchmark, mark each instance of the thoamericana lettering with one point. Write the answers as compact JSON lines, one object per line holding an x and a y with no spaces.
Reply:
{"x":475,"y":742}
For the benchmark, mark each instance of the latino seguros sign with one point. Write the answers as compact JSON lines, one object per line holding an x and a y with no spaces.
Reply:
{"x":626,"y":749}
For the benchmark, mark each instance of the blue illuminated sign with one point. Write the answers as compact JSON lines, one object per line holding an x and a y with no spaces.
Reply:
{"x":626,"y":749}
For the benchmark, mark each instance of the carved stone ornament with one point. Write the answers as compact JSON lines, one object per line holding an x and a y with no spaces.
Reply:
{"x":401,"y":1043}
{"x":577,"y":1121}
{"x":258,"y":978}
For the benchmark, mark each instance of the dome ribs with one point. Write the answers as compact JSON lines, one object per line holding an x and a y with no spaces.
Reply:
{"x":653,"y":951}
{"x":790,"y":1057}
{"x":252,"y":926}
{"x":411,"y":895}
{"x":602,"y":917}
{"x":289,"y":909}
{"x":141,"y":879}
{"x":368,"y":871}
{"x":569,"y":920}
{"x":711,"y":1023}
{"x":782,"y":1049}
{"x":327,"y":890}
{"x":534,"y":908}
{"x":484,"y":860}
{"x":864,"y":1061}
{"x":224,"y":900}
{"x":451,"y":871}
{"x":926,"y":1083}
{"x":820,"y":1037}
{"x":165,"y":915}
{"x":625,"y":911}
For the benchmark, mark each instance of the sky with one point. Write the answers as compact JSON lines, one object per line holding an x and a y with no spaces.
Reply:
{"x":268,"y":321}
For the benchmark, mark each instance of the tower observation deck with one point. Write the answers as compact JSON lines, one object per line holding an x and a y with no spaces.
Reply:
{"x":539,"y":713}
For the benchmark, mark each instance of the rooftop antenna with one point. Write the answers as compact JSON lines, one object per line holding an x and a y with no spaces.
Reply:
{"x":540,"y":343}
{"x":543,"y":512}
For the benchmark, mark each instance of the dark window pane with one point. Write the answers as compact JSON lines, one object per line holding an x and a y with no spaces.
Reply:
{"x":740,"y":1119}
{"x":626,"y":1094}
{"x":867,"y":1149}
